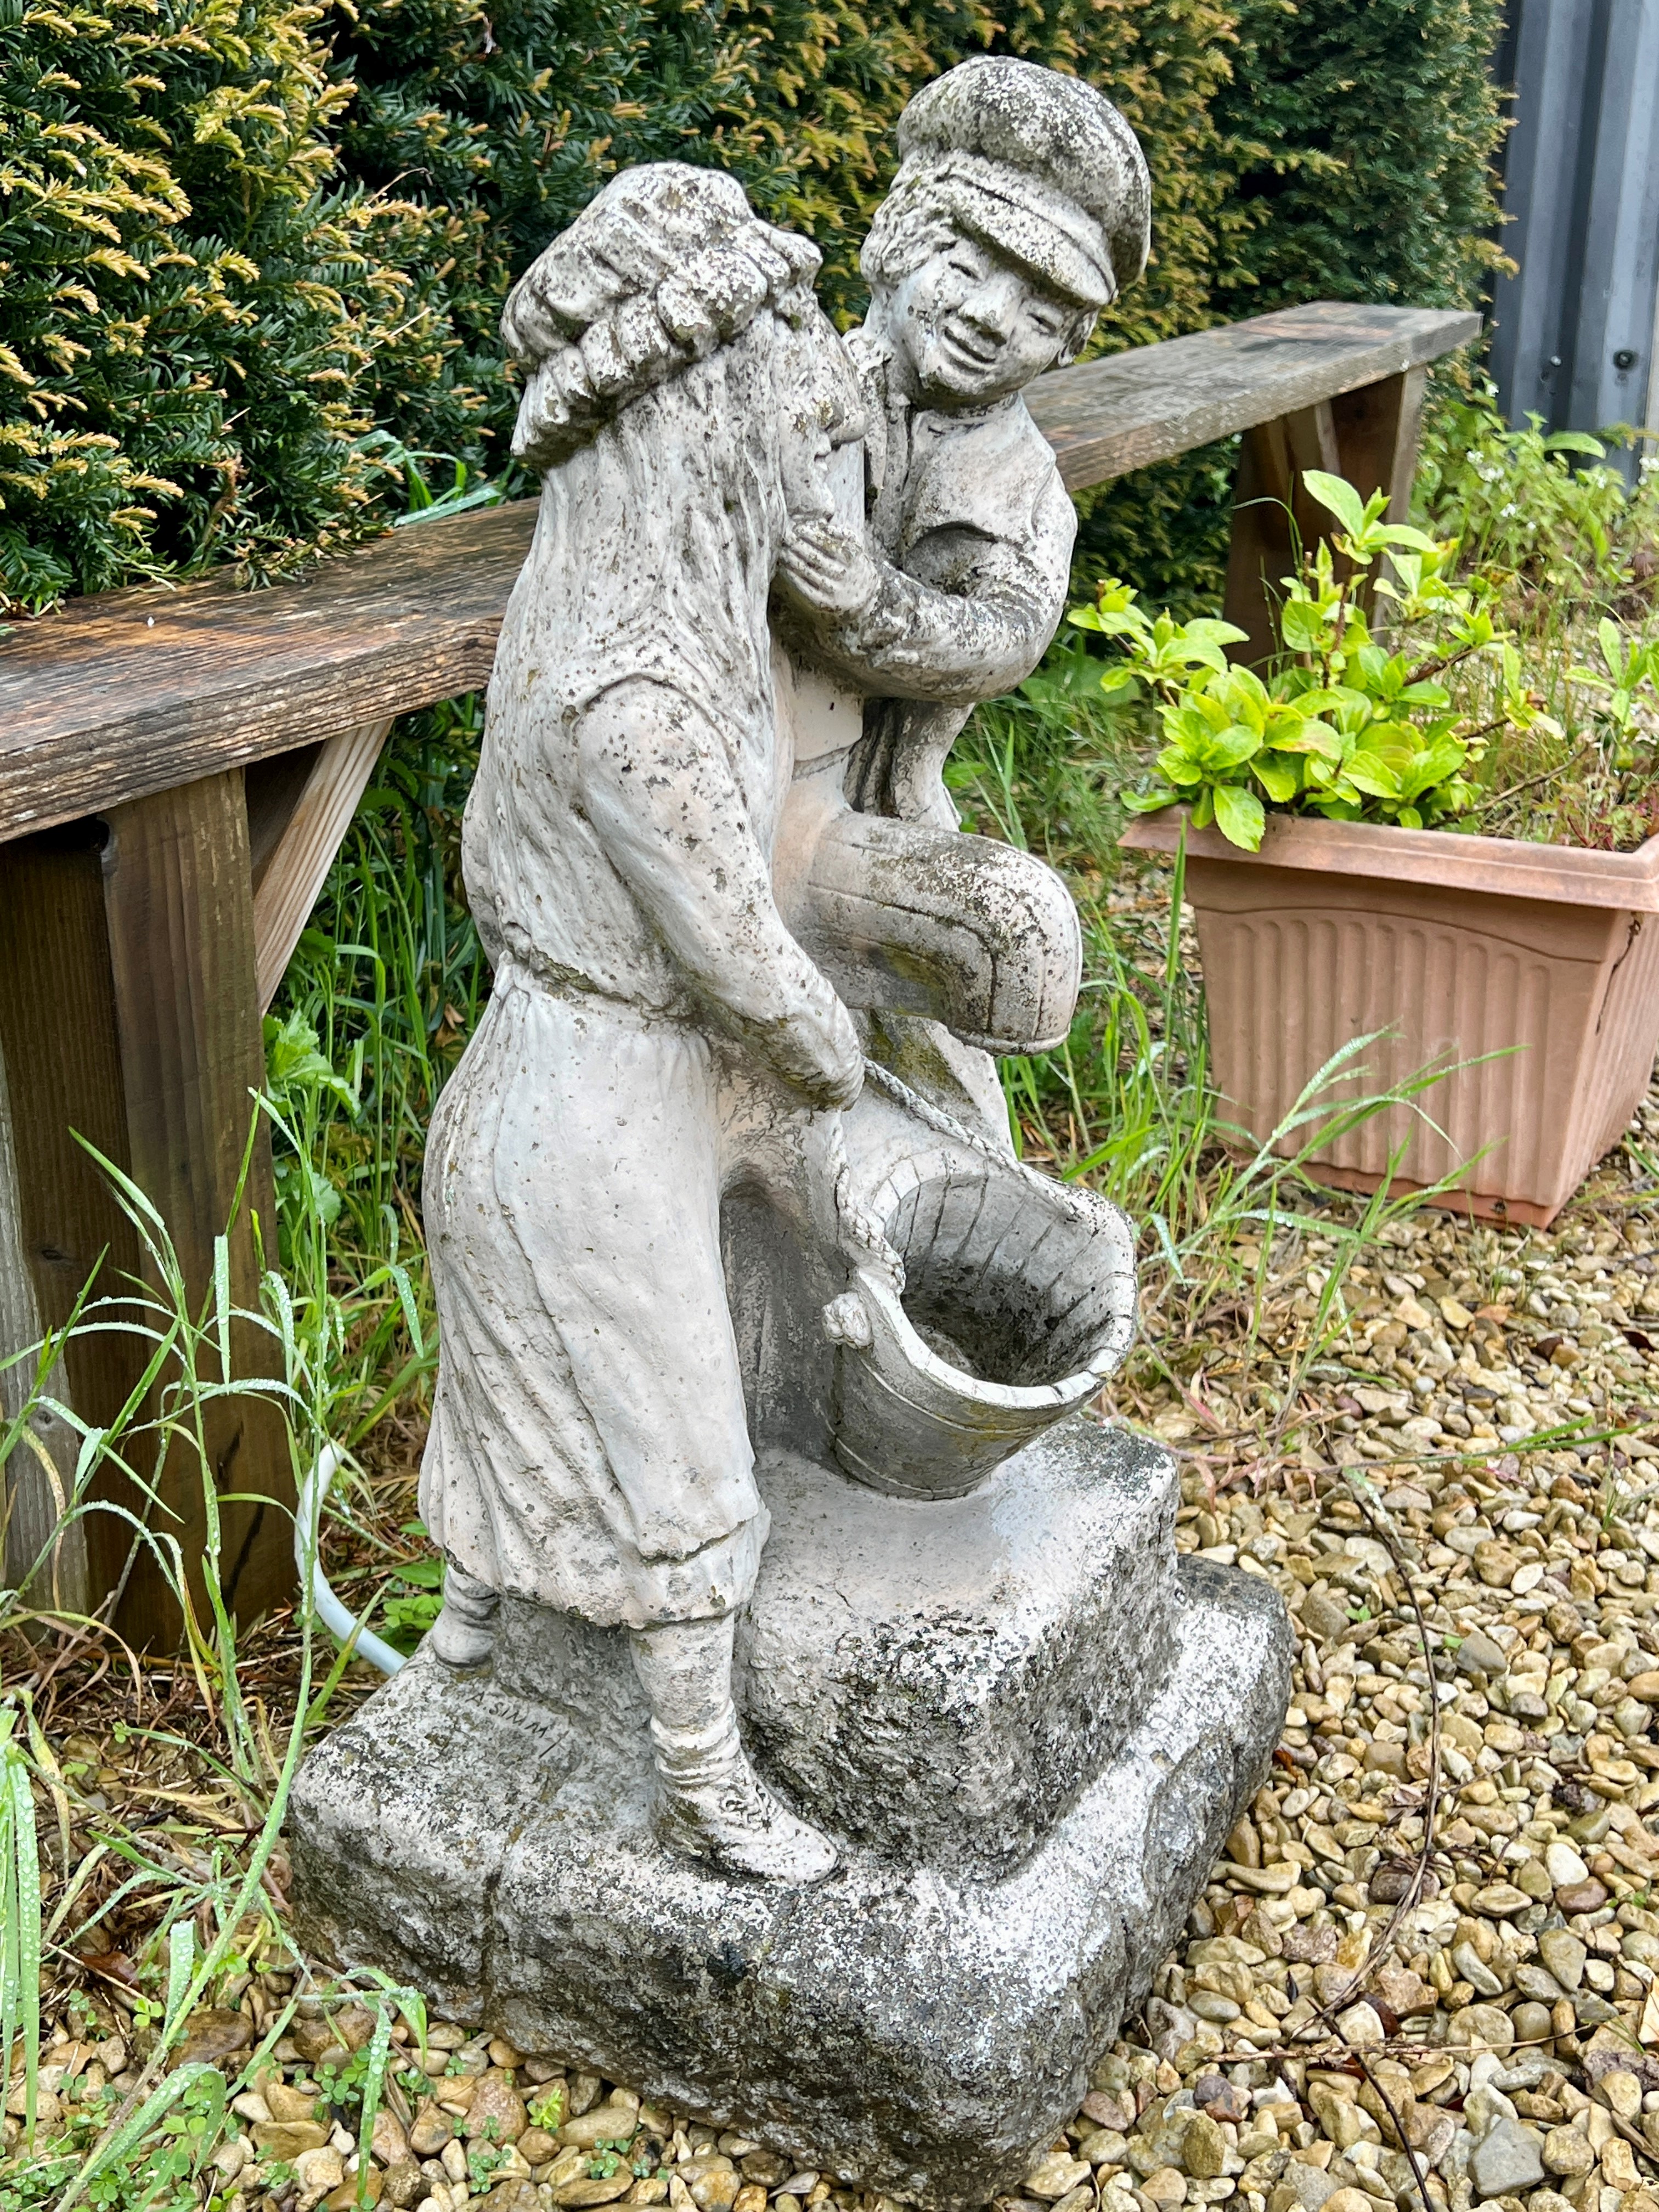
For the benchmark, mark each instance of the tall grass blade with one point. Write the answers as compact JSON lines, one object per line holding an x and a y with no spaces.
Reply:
{"x":20,"y":1907}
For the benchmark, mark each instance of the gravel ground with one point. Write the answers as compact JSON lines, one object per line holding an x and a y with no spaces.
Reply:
{"x":1502,"y":2021}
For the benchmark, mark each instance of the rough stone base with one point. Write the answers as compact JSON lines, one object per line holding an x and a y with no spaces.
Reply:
{"x":908,"y":2029}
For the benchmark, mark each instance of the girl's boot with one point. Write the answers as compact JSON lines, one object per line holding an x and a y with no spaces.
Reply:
{"x":716,"y":1806}
{"x":464,"y":1634}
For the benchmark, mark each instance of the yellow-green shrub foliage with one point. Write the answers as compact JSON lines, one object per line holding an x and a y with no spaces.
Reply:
{"x":190,"y":307}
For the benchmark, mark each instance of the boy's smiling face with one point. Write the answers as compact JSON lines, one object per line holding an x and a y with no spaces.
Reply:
{"x":968,"y":327}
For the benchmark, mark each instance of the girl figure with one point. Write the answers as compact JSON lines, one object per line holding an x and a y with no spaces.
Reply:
{"x":589,"y":1448}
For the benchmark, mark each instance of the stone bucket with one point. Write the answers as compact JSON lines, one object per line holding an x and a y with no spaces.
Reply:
{"x":1019,"y":1301}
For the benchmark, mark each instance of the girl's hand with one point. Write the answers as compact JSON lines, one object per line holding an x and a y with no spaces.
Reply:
{"x":817,"y":1053}
{"x":863,"y":1241}
{"x":850,"y":1228}
{"x":828,"y":570}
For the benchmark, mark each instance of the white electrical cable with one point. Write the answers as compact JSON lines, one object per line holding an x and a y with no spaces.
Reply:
{"x":334,"y":1616}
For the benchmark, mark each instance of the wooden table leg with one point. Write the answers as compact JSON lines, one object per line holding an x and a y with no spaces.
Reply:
{"x":128,"y":1011}
{"x":39,"y":1475}
{"x":63,"y":1074}
{"x":1369,"y":436}
{"x":1378,"y":429}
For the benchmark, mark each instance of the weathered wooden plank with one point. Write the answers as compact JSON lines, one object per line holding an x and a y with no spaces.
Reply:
{"x":57,"y":1038}
{"x":286,"y":886}
{"x":179,"y":902}
{"x":138,"y":692}
{"x":275,"y":788}
{"x":1126,"y":412}
{"x":1378,"y":430}
{"x":135,"y":692}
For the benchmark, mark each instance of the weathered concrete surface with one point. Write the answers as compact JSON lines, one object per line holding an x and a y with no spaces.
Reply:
{"x":937,"y":1682}
{"x":940,"y":1681}
{"x":922,"y":2031}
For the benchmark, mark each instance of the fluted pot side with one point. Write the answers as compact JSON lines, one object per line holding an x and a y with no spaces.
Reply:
{"x":1529,"y":974}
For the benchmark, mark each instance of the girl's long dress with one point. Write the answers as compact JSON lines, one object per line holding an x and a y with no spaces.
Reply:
{"x":588,"y":1445}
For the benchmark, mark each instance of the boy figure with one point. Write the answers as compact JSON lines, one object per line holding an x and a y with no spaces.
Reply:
{"x":1021,"y":207}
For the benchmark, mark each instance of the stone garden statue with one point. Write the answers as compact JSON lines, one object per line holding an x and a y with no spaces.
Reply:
{"x":815,"y":1699}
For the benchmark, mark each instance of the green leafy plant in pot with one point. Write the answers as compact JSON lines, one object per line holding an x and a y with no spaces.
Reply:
{"x":1313,"y":798}
{"x":1341,"y":725}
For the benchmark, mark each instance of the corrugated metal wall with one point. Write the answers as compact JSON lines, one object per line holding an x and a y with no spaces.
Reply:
{"x":1574,"y":330}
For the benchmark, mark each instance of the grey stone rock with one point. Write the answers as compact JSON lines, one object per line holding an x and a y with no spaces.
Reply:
{"x":1525,"y":2070}
{"x":1309,"y":2186}
{"x":1455,"y":2160}
{"x":1474,"y":1971}
{"x":499,"y":1851}
{"x":1484,"y":2027}
{"x":1485,"y":2107}
{"x":1564,"y":1955}
{"x":1169,"y":2028}
{"x":1209,"y":2004}
{"x":1508,"y":2157}
{"x":1480,"y":1654}
{"x":1327,"y":1616}
{"x":1533,"y":1982}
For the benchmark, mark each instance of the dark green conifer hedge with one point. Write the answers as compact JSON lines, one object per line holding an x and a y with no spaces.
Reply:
{"x":1359,"y":137}
{"x":242,"y":241}
{"x":194,"y":307}
{"x":1364,"y":130}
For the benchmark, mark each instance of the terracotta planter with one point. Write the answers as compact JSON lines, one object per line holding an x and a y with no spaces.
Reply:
{"x":1462,"y":946}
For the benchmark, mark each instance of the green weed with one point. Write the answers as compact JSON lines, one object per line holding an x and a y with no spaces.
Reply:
{"x":205,"y":1916}
{"x":385,"y":988}
{"x":1572,"y":556}
{"x":1336,"y":724}
{"x":1522,"y":504}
